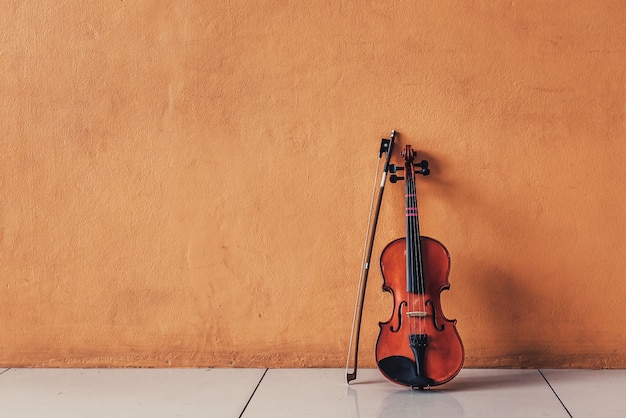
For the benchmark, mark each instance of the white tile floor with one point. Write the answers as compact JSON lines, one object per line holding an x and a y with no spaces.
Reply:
{"x":276,"y":393}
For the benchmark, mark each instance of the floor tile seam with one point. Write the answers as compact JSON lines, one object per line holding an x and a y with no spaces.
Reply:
{"x":243,"y":411}
{"x":4,"y":371}
{"x":554,"y":392}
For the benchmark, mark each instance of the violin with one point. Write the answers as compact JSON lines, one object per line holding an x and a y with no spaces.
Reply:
{"x":418,"y":346}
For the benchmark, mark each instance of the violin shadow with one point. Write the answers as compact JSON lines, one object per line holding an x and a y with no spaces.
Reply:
{"x":510,"y":300}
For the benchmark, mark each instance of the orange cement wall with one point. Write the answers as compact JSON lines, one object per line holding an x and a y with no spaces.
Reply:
{"x":186,"y":183}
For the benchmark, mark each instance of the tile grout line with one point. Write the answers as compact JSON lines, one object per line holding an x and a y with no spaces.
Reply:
{"x":4,"y":371}
{"x":555,"y":394}
{"x":252,"y":394}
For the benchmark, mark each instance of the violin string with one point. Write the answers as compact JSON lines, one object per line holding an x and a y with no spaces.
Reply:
{"x":409,"y":248}
{"x":416,"y":255}
{"x":421,"y":284}
{"x":414,"y":237}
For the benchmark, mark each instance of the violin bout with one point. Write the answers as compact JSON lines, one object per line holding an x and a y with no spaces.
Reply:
{"x":418,"y":346}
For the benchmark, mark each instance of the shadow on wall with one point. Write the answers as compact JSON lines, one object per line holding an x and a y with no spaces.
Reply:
{"x":513,"y":313}
{"x":501,"y":281}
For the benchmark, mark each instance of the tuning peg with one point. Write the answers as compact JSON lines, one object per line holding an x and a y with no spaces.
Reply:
{"x":393,"y":178}
{"x":424,"y":168}
{"x":393,"y":168}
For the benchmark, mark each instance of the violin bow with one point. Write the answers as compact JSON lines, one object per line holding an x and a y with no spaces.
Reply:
{"x":386,"y":146}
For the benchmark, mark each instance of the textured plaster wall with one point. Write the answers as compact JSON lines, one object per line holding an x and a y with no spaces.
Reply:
{"x":186,"y":183}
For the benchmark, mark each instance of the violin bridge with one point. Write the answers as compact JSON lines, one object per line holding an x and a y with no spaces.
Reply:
{"x":417,"y":314}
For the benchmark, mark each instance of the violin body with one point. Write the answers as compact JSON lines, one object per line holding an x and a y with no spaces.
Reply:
{"x":441,"y":355}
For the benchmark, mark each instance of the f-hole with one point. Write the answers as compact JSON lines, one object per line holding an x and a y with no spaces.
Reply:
{"x":399,"y":317}
{"x":432,"y":306}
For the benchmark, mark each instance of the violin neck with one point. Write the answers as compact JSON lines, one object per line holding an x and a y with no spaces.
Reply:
{"x":413,"y":248}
